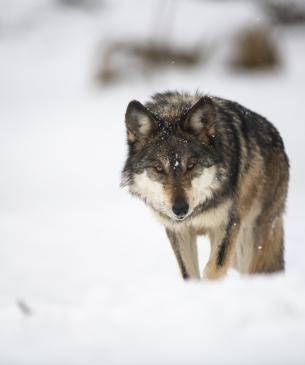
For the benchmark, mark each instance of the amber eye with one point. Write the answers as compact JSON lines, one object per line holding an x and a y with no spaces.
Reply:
{"x":159,"y":168}
{"x":190,"y":166}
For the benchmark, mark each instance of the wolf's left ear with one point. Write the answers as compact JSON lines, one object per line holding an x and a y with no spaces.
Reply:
{"x":200,"y":118}
{"x":140,"y":122}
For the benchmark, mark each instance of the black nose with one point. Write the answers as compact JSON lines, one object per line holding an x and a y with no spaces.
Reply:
{"x":180,"y":207}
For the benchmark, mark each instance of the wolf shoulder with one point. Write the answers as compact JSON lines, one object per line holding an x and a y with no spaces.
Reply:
{"x":256,"y":130}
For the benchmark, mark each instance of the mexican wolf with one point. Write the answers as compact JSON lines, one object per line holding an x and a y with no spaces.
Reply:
{"x":206,"y":165}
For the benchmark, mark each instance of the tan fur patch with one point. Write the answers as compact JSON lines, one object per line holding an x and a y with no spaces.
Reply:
{"x":267,"y":254}
{"x":246,"y":240}
{"x":202,"y":187}
{"x":144,"y":125}
{"x":212,"y":270}
{"x":151,"y":192}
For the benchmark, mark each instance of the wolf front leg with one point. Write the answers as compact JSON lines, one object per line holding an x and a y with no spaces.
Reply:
{"x":184,"y":245}
{"x":223,"y":245}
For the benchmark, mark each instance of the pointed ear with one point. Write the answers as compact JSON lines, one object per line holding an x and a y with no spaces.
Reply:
{"x":139,"y":122}
{"x":200,"y":118}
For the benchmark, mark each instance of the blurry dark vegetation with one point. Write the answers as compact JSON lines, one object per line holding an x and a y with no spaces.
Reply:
{"x":286,"y":12}
{"x":255,"y":49}
{"x":81,"y":4}
{"x":24,"y":308}
{"x":252,"y":49}
{"x":147,"y":58}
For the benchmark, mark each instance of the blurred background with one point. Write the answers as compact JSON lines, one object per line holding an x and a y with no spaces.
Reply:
{"x":86,"y":274}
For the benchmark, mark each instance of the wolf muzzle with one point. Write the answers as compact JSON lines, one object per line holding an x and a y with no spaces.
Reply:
{"x":180,"y":208}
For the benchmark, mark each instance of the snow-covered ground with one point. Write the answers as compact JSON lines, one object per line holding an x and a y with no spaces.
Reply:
{"x":86,"y":274}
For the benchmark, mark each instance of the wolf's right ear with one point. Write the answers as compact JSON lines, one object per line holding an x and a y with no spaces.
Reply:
{"x":139,"y":121}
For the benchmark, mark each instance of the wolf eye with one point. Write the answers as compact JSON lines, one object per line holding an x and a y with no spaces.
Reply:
{"x":190,"y":166}
{"x":159,"y":168}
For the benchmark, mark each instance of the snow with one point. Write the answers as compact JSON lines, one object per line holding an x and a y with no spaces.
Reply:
{"x":86,"y":274}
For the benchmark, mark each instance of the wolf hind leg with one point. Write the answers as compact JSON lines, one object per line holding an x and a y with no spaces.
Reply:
{"x":268,"y":253}
{"x":184,"y":245}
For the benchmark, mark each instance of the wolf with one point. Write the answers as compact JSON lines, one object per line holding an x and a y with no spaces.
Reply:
{"x":207,"y":165}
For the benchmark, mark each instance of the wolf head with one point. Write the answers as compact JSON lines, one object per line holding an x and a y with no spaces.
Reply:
{"x":172,"y":160}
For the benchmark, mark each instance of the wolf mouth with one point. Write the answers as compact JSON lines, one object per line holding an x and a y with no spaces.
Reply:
{"x":181,"y":219}
{"x":184,"y":217}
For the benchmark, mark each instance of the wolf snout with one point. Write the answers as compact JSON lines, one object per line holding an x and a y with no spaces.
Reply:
{"x":180,"y":208}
